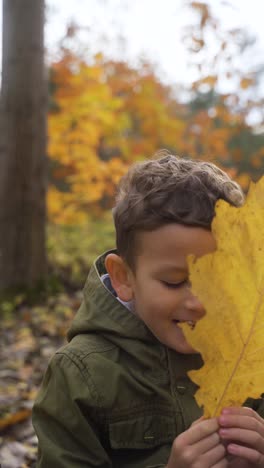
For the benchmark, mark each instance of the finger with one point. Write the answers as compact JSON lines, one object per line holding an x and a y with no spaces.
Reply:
{"x":204,"y":445}
{"x":242,"y":422}
{"x":198,"y":431}
{"x":213,"y":456}
{"x":236,"y":462}
{"x":221,"y":464}
{"x":250,"y":438}
{"x":202,"y":418}
{"x":243,"y":411}
{"x":249,"y":454}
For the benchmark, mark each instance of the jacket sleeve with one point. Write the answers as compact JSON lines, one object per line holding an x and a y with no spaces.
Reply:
{"x":64,"y":419}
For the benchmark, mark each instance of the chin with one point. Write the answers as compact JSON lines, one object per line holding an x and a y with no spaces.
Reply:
{"x":179,"y":343}
{"x":184,"y":348}
{"x":189,"y":351}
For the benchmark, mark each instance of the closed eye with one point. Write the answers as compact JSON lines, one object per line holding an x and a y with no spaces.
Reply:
{"x":175,"y":285}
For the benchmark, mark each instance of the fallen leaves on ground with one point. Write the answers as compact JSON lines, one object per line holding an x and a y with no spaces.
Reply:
{"x":29,"y":336}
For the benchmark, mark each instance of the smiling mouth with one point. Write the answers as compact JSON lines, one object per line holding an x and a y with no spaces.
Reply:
{"x":191,"y":323}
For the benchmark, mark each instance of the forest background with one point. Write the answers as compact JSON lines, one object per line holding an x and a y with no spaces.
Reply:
{"x":100,"y":113}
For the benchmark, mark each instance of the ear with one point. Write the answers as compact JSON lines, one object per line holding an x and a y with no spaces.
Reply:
{"x":120,"y":276}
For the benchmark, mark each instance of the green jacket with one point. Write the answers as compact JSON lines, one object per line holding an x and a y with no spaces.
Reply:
{"x":114,"y":396}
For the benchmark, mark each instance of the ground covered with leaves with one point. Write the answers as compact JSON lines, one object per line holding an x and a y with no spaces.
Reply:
{"x":29,"y":336}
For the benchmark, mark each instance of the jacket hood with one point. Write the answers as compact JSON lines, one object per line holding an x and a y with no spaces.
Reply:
{"x":101,"y":312}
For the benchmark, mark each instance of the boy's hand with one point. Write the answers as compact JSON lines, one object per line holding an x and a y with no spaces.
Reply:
{"x":199,"y":447}
{"x":242,"y":430}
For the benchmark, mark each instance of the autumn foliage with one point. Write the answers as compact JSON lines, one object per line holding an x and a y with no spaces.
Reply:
{"x":106,"y":114}
{"x":102,"y":117}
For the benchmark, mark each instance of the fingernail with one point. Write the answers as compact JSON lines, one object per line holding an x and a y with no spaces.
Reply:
{"x":222,"y":420}
{"x":232,"y":448}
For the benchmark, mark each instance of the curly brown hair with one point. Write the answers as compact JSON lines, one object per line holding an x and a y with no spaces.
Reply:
{"x":168,"y":189}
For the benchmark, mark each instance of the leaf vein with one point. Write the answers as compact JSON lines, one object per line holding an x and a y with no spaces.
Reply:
{"x":241,"y":355}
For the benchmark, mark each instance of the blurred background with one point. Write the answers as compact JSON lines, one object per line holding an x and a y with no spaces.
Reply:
{"x":87,"y":88}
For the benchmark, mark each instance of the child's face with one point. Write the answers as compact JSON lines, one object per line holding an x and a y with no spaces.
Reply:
{"x":160,"y":284}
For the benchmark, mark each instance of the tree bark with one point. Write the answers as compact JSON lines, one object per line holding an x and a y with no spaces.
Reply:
{"x":23,"y":161}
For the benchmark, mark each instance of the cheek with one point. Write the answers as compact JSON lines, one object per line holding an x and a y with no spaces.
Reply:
{"x":169,"y":296}
{"x":148,"y":303}
{"x":154,"y":300}
{"x":160,"y":302}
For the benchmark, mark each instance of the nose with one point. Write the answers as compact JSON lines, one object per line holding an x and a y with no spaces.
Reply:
{"x":193,"y":304}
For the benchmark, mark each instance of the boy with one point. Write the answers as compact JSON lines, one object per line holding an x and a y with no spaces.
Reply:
{"x":117,"y":395}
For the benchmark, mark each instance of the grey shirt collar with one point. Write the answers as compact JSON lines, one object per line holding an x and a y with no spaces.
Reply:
{"x":107,"y":282}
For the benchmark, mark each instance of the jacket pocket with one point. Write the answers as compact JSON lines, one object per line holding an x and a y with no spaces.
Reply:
{"x":142,"y":432}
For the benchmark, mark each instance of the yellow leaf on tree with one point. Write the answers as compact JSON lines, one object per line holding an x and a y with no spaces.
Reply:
{"x":230,"y":284}
{"x":246,"y":83}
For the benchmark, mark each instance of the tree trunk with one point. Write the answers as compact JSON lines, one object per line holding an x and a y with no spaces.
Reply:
{"x":23,"y":162}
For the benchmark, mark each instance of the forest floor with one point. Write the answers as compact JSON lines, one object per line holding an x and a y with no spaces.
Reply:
{"x":29,"y":336}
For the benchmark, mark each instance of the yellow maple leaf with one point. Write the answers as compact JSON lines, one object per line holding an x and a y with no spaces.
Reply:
{"x":230,"y":284}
